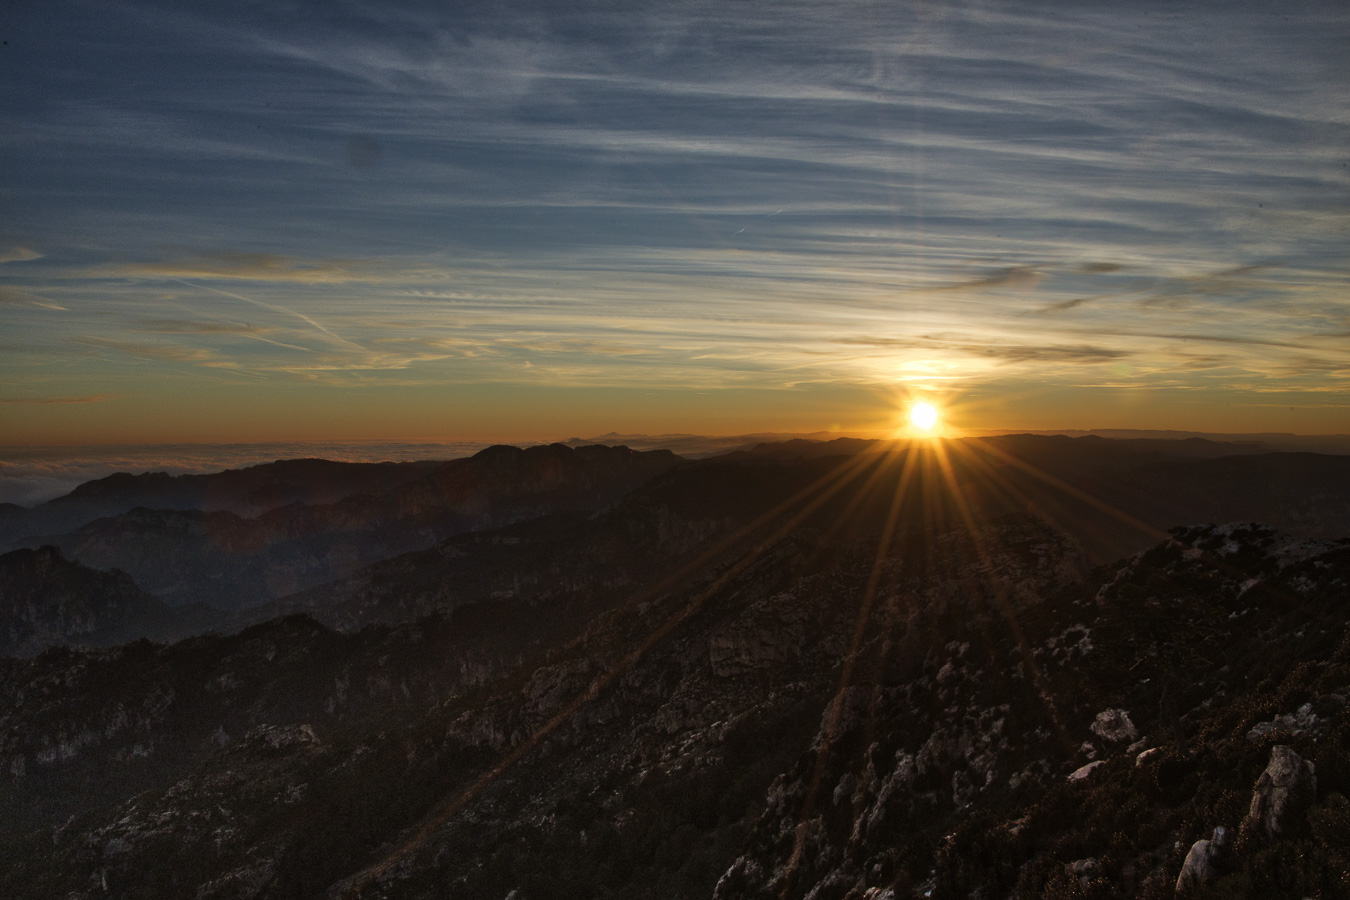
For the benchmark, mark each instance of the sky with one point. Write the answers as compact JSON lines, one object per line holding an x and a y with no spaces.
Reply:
{"x":445,"y":222}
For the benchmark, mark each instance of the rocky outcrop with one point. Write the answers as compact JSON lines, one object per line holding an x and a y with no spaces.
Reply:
{"x":275,"y":738}
{"x":1201,"y":866}
{"x":1114,"y":725}
{"x":1300,"y":722}
{"x":1282,"y":794}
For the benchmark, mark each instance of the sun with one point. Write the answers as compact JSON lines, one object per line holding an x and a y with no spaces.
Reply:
{"x":924,"y":417}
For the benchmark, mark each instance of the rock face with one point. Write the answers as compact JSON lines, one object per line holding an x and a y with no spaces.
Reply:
{"x":1284,"y":792}
{"x":768,"y":635}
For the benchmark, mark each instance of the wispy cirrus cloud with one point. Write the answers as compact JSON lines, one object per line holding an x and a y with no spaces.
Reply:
{"x":1064,"y":305}
{"x":55,"y":401}
{"x":18,"y":254}
{"x":160,"y":352}
{"x":271,"y":267}
{"x":17,"y":297}
{"x":185,"y":326}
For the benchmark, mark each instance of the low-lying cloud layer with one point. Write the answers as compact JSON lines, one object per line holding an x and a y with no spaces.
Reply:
{"x":33,"y":475}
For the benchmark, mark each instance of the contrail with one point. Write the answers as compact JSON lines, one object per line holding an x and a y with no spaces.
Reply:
{"x":275,"y":308}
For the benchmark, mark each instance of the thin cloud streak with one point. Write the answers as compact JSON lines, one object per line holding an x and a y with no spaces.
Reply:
{"x":163,"y":352}
{"x":18,"y":254}
{"x":57,"y":401}
{"x":270,"y":267}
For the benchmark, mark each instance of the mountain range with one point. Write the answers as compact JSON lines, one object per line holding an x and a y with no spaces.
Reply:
{"x":1027,"y":666}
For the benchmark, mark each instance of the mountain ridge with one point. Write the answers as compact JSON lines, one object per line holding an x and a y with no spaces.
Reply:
{"x":229,"y":561}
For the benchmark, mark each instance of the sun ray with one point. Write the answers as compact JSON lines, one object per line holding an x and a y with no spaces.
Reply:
{"x":928,"y":470}
{"x":845,"y":517}
{"x":1096,"y":502}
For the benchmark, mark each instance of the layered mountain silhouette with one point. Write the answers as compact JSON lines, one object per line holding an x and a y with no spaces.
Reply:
{"x":805,"y":670}
{"x":244,"y":492}
{"x":212,"y":554}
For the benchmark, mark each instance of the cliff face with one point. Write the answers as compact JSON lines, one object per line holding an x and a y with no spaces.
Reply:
{"x":987,"y":719}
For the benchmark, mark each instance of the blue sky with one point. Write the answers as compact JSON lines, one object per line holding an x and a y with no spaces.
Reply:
{"x":312,"y":221}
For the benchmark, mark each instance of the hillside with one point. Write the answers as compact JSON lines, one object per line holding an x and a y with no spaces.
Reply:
{"x":983,"y":720}
{"x":45,"y":600}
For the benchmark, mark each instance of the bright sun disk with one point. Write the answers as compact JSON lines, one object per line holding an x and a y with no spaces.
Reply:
{"x":923,"y":416}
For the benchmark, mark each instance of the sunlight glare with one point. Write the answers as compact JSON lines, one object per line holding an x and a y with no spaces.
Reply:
{"x":924,"y":417}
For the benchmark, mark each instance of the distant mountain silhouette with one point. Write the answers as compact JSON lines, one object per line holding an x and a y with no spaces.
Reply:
{"x":230,"y":561}
{"x":244,"y":492}
{"x":592,"y":522}
{"x":1111,"y":498}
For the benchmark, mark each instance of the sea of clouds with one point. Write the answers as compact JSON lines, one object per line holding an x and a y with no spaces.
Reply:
{"x":32,"y":475}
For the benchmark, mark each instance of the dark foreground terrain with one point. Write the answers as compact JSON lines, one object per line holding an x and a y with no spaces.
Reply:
{"x":801,"y":672}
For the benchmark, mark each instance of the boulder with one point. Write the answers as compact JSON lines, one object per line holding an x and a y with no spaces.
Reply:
{"x":1199,"y":866}
{"x":1114,"y":725}
{"x":1080,"y":773}
{"x":1085,"y":870}
{"x":1284,"y":791}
